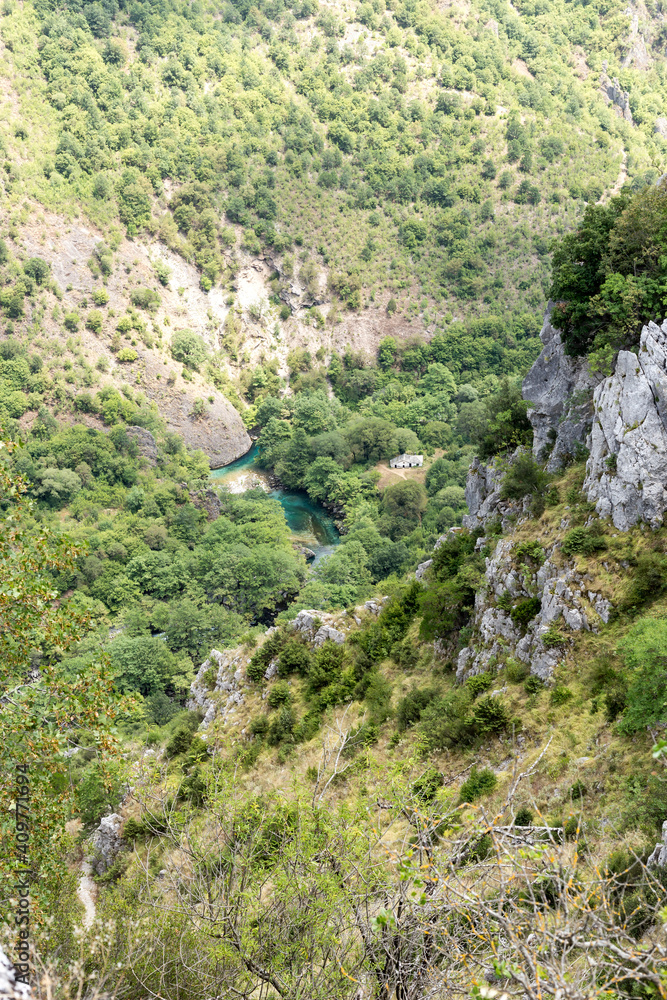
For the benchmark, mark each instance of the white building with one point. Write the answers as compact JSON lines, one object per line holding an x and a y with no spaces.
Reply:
{"x":406,"y":461}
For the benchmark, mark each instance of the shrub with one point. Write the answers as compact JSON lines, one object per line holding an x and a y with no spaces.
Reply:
{"x":524,"y":612}
{"x":478,"y":783}
{"x":188,"y":348}
{"x":37,"y":269}
{"x":578,"y":790}
{"x":279,"y":694}
{"x":560,"y":695}
{"x":145,"y":298}
{"x":282,"y":726}
{"x":127,"y":354}
{"x":132,"y":829}
{"x":515,"y":671}
{"x":645,"y":652}
{"x":71,"y":321}
{"x":533,"y":684}
{"x":94,"y":321}
{"x":411,"y":706}
{"x":426,"y":787}
{"x":585,"y":541}
{"x":524,"y":817}
{"x":259,"y":726}
{"x":523,"y":478}
{"x":489,"y":716}
{"x":100,"y":296}
{"x":162,"y":272}
{"x":479,"y":683}
{"x":294,"y":658}
{"x":648,"y":582}
{"x":161,"y":709}
{"x":179,"y":742}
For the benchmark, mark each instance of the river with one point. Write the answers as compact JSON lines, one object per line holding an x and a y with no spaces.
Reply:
{"x":309,"y":523}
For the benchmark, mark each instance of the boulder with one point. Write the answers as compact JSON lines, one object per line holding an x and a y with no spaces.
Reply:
{"x":107,"y":842}
{"x":420,"y":572}
{"x":626,"y":473}
{"x":325,"y":632}
{"x":658,"y":858}
{"x":559,"y":390}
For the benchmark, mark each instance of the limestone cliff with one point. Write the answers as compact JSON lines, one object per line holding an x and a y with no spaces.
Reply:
{"x":559,"y":390}
{"x":626,"y":473}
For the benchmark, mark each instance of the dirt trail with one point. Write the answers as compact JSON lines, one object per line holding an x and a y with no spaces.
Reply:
{"x":87,"y":892}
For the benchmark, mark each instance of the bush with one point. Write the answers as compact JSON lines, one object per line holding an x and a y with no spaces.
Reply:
{"x":259,"y":726}
{"x":100,"y":296}
{"x":649,"y":581}
{"x":479,"y":683}
{"x":162,"y":272}
{"x":411,"y":706}
{"x":127,"y":355}
{"x":145,"y":298}
{"x":524,"y":611}
{"x":585,"y":541}
{"x":37,"y":269}
{"x":179,"y":742}
{"x":478,"y":783}
{"x":515,"y":671}
{"x":71,"y":321}
{"x":578,"y":790}
{"x":523,"y":478}
{"x":161,"y":709}
{"x":524,"y":817}
{"x":426,"y":787}
{"x":489,"y":716}
{"x":94,"y":321}
{"x":560,"y":695}
{"x":188,"y":348}
{"x":645,"y":651}
{"x":533,"y":685}
{"x":294,"y":658}
{"x":278,"y":694}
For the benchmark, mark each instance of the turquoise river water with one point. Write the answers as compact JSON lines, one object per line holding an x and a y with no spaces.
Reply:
{"x":309,"y":523}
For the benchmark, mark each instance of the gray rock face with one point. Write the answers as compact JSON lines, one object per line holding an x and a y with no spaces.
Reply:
{"x":660,"y":127}
{"x":565,"y":604}
{"x":219,"y":700}
{"x":626,"y":473}
{"x":10,"y":987}
{"x":107,"y":842}
{"x":145,"y":442}
{"x":326,"y":632}
{"x":559,"y":389}
{"x":420,"y":572}
{"x":658,"y":858}
{"x":617,"y":96}
{"x":483,"y":485}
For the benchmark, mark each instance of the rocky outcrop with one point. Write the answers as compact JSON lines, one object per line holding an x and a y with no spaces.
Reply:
{"x":107,"y":842}
{"x":11,"y":988}
{"x":216,"y":690}
{"x":660,"y":127}
{"x":559,"y":389}
{"x":658,"y":858}
{"x":145,"y":443}
{"x":314,"y":626}
{"x":564,"y":605}
{"x":483,"y":485}
{"x":616,"y":95}
{"x":626,"y":473}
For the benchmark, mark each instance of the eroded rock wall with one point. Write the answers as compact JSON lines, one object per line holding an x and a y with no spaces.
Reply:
{"x":626,"y":473}
{"x":559,"y":389}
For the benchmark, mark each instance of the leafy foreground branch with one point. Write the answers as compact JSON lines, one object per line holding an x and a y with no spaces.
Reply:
{"x":393,"y":897}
